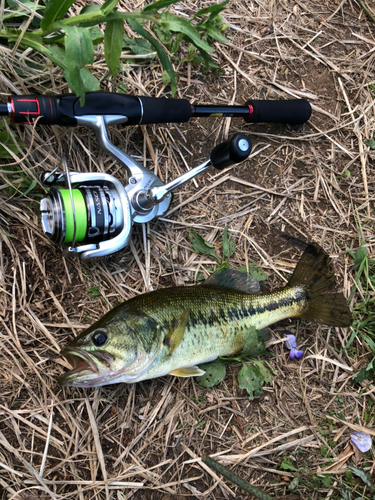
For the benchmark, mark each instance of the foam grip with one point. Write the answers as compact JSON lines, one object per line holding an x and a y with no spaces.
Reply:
{"x":165,"y":110}
{"x":294,"y":111}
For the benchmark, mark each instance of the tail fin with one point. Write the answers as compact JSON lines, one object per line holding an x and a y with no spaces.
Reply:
{"x":314,"y":272}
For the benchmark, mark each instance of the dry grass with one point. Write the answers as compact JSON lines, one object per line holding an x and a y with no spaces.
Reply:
{"x":144,"y":441}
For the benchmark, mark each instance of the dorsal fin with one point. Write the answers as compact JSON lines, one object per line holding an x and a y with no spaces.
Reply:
{"x":235,"y":279}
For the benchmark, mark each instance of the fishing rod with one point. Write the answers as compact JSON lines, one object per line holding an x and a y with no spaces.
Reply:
{"x":94,"y":212}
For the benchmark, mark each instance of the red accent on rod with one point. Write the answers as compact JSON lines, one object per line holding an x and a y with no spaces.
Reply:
{"x":13,"y":112}
{"x":251,"y":110}
{"x":50,"y":103}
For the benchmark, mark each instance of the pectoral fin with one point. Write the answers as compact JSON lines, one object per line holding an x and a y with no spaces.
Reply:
{"x":190,"y":371}
{"x":174,"y":337}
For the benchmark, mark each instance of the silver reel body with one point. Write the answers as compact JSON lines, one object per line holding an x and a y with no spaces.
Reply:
{"x":108,"y":207}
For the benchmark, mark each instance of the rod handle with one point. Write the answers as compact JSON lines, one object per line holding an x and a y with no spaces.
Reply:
{"x":293,"y":111}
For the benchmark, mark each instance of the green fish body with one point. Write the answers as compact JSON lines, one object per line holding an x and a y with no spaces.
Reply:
{"x":172,"y":331}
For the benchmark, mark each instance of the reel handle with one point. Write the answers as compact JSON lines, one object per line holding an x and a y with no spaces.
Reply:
{"x":224,"y":155}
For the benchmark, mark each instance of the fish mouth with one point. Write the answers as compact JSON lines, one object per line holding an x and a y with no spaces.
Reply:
{"x":87,"y":368}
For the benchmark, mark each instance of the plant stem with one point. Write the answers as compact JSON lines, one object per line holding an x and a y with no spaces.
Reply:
{"x":368,"y":13}
{"x":95,"y":18}
{"x":231,"y":476}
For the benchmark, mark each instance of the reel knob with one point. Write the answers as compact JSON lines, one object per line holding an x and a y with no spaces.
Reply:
{"x":230,"y":152}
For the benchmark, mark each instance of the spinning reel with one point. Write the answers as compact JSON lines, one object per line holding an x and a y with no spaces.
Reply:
{"x":93,"y":212}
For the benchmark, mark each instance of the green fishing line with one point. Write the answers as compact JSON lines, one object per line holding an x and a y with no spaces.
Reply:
{"x":80,"y":211}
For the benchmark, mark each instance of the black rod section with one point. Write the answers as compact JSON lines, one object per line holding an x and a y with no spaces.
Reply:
{"x":4,"y":110}
{"x":222,"y":111}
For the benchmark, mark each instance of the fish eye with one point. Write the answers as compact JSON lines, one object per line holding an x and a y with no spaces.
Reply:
{"x":100,"y":338}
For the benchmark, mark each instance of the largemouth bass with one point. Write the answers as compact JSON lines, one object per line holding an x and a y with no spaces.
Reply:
{"x":172,"y":331}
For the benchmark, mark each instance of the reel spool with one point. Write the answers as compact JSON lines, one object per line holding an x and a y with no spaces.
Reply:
{"x":94,"y":214}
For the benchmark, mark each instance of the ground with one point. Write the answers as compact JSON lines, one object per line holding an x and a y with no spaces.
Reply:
{"x":313,"y":181}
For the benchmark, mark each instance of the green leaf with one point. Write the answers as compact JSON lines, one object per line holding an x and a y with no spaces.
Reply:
{"x":7,"y":141}
{"x":212,"y":31}
{"x":90,"y":8}
{"x":160,"y":51}
{"x":229,"y":244}
{"x":207,"y":60}
{"x":202,"y":246}
{"x":362,"y":475}
{"x":36,"y":43}
{"x":32,"y":185}
{"x":173,"y":23}
{"x":55,"y":10}
{"x":254,"y":343}
{"x":89,"y":81}
{"x":213,"y":10}
{"x":161,"y":4}
{"x":359,"y":256}
{"x":108,"y":6}
{"x":257,"y":272}
{"x":79,"y":48}
{"x":93,"y":292}
{"x":370,"y":143}
{"x":286,"y":464}
{"x":215,"y":373}
{"x":20,"y":11}
{"x":138,"y":46}
{"x":346,"y":493}
{"x":79,"y":51}
{"x":96,"y":34}
{"x":326,"y":480}
{"x":113,"y":34}
{"x":294,"y":483}
{"x":252,"y":378}
{"x":370,"y":343}
{"x":165,"y":78}
{"x":265,"y":372}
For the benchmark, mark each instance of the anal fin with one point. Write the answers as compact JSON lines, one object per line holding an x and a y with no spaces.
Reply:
{"x":190,"y":371}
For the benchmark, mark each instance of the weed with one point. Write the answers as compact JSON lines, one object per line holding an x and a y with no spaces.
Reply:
{"x":17,"y":183}
{"x":364,"y":310}
{"x":70,"y":42}
{"x":93,"y":292}
{"x":202,"y":246}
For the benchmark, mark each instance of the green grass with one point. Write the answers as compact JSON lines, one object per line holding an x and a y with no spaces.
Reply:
{"x":363,"y":325}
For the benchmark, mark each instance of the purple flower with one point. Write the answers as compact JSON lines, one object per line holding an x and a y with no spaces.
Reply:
{"x":362,"y":440}
{"x":291,"y":344}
